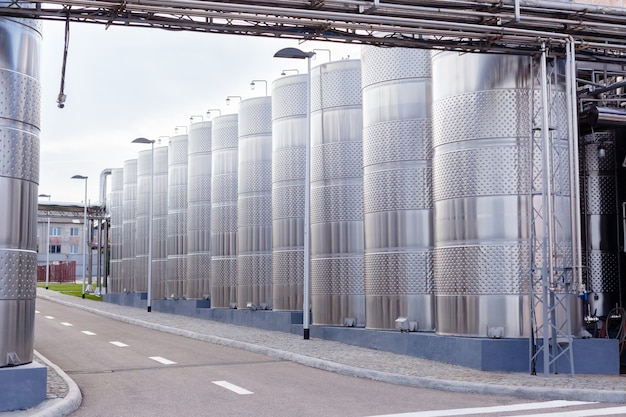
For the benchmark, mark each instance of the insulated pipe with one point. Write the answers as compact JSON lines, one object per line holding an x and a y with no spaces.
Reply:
{"x":374,"y":21}
{"x":103,"y":186}
{"x":572,"y":115}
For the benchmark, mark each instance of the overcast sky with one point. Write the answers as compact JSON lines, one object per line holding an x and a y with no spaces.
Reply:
{"x":123,"y":83}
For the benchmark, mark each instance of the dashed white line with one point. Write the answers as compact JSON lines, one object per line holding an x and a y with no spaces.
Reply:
{"x":232,"y":387}
{"x":49,"y":317}
{"x":119,"y":344}
{"x":37,"y":311}
{"x":66,"y":324}
{"x":162,"y":360}
{"x":88,"y":333}
{"x":495,"y":409}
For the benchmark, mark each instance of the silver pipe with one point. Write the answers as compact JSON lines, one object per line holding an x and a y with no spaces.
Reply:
{"x":574,"y":164}
{"x":574,"y":185}
{"x":375,"y":21}
{"x":103,"y":186}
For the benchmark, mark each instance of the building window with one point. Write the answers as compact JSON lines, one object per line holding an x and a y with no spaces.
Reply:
{"x":55,"y":231}
{"x":73,"y":249}
{"x":55,"y":248}
{"x":74,"y":231}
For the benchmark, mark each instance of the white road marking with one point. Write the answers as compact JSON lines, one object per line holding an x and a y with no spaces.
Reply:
{"x":49,"y":317}
{"x":66,"y":323}
{"x":88,"y":333}
{"x":234,"y":388}
{"x":36,"y":311}
{"x":119,"y":344}
{"x":162,"y":360}
{"x":495,"y":409}
{"x":611,"y":411}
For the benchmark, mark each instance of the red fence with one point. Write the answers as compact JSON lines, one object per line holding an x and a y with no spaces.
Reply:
{"x":59,"y":272}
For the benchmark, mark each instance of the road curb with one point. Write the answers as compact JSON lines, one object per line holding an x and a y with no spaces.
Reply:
{"x":59,"y":406}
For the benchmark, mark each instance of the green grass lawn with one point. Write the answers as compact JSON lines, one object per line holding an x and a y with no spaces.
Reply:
{"x":70,"y":289}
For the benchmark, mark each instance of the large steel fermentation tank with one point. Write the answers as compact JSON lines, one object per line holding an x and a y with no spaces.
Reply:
{"x":116,"y":209}
{"x":224,"y":196}
{"x":601,"y":215}
{"x":159,"y":223}
{"x":397,"y":177}
{"x":129,"y":224}
{"x":254,"y":213}
{"x":483,"y":106}
{"x":337,"y":280}
{"x":199,"y":211}
{"x":144,"y":160}
{"x":289,"y":133}
{"x":19,"y":179}
{"x":177,"y":175}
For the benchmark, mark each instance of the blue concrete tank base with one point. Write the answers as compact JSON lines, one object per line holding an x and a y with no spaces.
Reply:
{"x":23,"y":386}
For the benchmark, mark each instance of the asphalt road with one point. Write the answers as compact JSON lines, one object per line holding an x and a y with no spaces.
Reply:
{"x":127,"y":370}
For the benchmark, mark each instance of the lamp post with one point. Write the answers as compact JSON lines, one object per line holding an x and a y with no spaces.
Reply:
{"x":295,"y":53}
{"x":208,"y":112}
{"x":150,"y":215}
{"x":84,"y":177}
{"x":253,"y":84}
{"x":229,"y":97}
{"x":47,"y":241}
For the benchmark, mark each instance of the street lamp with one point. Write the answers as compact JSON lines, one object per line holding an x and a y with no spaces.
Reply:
{"x":295,"y":53}
{"x":150,"y":215}
{"x":84,"y":177}
{"x":208,"y":112}
{"x":253,"y":84}
{"x":229,"y":97}
{"x":47,"y":241}
{"x":284,"y":72}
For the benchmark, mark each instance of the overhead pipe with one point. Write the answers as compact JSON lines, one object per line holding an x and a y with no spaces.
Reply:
{"x":103,"y":186}
{"x":325,"y":15}
{"x":603,"y":117}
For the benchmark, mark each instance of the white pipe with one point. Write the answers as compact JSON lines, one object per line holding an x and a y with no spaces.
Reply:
{"x":103,"y":186}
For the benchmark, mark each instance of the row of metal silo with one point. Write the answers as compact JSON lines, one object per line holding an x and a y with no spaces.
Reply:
{"x":420,"y":196}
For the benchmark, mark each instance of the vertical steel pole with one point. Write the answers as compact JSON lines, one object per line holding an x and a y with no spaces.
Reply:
{"x":307,"y":209}
{"x":150,"y":215}
{"x":85,"y":237}
{"x":48,"y":247}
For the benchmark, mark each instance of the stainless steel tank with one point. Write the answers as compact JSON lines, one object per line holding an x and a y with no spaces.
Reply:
{"x":254,"y":213}
{"x":159,"y":223}
{"x":337,"y":280}
{"x":224,"y":149}
{"x":397,"y":175}
{"x":482,"y":172}
{"x":117,"y":219}
{"x":129,"y":224}
{"x":601,"y":236}
{"x":199,"y":211}
{"x":19,"y":179}
{"x":289,"y":134}
{"x":177,"y":157}
{"x":144,"y":161}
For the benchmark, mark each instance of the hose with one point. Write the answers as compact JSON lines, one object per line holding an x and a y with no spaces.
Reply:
{"x":618,"y":313}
